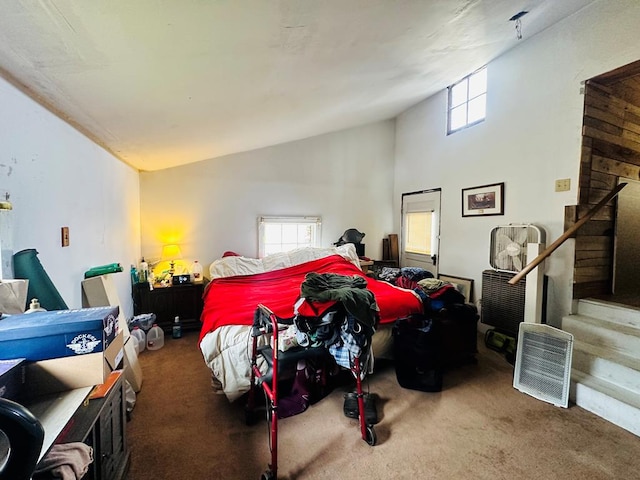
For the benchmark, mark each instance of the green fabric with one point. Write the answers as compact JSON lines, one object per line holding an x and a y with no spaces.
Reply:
{"x":26,"y":265}
{"x":352,"y":292}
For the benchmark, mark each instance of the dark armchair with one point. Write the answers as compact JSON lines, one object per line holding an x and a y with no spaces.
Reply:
{"x":21,"y":437}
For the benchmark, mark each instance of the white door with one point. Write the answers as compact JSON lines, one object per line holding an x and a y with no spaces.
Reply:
{"x":420,"y":230}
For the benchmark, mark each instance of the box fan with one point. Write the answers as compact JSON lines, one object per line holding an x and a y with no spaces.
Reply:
{"x":505,"y":306}
{"x":510,"y":244}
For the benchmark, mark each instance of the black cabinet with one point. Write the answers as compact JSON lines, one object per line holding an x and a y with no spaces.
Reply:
{"x":184,"y":301}
{"x":101,"y":424}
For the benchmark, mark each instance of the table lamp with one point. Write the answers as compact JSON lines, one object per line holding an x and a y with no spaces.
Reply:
{"x":171,"y":253}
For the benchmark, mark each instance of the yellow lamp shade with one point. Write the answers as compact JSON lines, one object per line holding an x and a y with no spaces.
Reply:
{"x":171,"y":252}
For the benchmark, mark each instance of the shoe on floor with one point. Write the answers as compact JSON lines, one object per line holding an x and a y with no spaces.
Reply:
{"x":351,"y":407}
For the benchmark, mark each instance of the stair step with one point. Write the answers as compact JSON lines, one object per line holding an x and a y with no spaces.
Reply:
{"x":607,"y":365}
{"x":621,"y":339}
{"x":614,"y":404}
{"x":622,"y":314}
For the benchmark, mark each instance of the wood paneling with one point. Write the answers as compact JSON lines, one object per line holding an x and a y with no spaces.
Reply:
{"x":615,"y":167}
{"x":589,"y":289}
{"x":603,"y":181}
{"x":621,"y":74}
{"x":610,"y":151}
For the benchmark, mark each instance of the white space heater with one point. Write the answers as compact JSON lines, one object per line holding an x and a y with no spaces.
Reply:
{"x":543,"y":363}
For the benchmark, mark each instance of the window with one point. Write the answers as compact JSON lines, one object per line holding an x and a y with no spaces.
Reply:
{"x":468,"y":101}
{"x":281,"y":234}
{"x":418,"y":232}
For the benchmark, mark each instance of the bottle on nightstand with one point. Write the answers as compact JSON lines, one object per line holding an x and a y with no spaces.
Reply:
{"x":196,"y":272}
{"x":176,"y":332}
{"x":143,"y":276}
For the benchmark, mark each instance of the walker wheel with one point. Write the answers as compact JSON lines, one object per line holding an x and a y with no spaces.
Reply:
{"x":371,"y":435}
{"x":268,"y":475}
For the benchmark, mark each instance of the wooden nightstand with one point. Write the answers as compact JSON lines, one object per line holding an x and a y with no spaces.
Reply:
{"x":184,"y":301}
{"x":365,"y":264}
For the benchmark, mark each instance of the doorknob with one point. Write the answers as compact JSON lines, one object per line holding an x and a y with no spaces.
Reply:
{"x":434,"y":259}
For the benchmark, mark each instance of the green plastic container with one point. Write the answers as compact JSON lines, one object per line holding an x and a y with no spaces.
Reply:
{"x":103,"y":270}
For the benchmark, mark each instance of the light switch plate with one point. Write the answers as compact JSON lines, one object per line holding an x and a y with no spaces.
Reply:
{"x":65,"y":236}
{"x":563,"y":185}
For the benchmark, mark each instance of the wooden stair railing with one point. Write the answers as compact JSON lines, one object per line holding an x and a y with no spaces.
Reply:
{"x":566,"y":235}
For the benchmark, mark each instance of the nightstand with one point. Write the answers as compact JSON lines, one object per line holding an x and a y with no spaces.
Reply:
{"x":365,"y":264}
{"x":184,"y":301}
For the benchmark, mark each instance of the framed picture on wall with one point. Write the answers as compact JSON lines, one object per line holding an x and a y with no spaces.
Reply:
{"x":483,"y":200}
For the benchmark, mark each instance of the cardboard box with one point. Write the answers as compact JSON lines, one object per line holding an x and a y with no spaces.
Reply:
{"x":13,"y":296}
{"x":12,"y":379}
{"x":132,"y":369}
{"x":60,"y":333}
{"x":101,"y":291}
{"x":67,"y":373}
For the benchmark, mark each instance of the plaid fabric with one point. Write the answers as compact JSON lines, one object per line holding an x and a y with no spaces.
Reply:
{"x":351,"y":346}
{"x":346,"y":349}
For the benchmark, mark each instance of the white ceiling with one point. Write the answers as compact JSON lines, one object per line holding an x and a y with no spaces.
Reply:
{"x":161,"y":83}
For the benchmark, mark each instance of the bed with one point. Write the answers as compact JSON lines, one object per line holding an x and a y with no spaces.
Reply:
{"x":238,"y":284}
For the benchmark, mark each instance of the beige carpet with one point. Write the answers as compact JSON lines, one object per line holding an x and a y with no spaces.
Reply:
{"x":478,"y":427}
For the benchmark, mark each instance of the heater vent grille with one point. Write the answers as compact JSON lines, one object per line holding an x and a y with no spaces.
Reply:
{"x":502,"y":304}
{"x":543,"y":363}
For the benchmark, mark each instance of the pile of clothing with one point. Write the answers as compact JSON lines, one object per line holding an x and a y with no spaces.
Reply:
{"x":335,"y":312}
{"x":340,"y":313}
{"x":405,"y":277}
{"x":437,"y":294}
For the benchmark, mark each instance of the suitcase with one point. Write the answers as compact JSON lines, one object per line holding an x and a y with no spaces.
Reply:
{"x":417,"y":352}
{"x":458,"y":324}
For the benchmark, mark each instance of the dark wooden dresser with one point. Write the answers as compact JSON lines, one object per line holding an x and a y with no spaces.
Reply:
{"x":184,"y":301}
{"x":101,"y":423}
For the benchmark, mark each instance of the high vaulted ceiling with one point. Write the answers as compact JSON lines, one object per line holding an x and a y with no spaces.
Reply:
{"x":161,"y":83}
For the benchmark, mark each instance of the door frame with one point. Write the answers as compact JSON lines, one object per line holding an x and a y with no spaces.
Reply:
{"x":432,"y":264}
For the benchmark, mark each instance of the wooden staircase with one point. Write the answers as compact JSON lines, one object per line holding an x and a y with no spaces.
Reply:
{"x":605,"y":377}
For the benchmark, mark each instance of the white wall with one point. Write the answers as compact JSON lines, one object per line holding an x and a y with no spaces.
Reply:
{"x":532,"y":136}
{"x":57,"y":177}
{"x":212,"y":206}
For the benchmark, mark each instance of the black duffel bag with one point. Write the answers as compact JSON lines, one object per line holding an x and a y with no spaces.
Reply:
{"x":417,"y":353}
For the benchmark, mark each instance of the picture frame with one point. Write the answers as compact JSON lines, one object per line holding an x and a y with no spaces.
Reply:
{"x":463,"y":285}
{"x":484,"y":200}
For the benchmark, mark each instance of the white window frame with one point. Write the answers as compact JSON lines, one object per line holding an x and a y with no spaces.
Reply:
{"x":469,"y":97}
{"x":264,"y":220}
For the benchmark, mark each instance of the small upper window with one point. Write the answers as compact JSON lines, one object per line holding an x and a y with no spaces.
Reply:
{"x":468,"y":101}
{"x":281,"y":234}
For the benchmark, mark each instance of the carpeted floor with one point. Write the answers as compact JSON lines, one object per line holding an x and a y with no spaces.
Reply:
{"x":478,"y":427}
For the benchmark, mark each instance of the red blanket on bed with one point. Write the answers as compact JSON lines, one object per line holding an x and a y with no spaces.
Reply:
{"x":233,"y":300}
